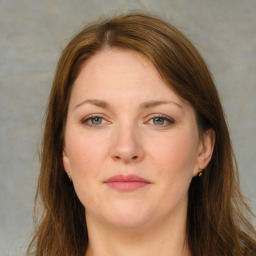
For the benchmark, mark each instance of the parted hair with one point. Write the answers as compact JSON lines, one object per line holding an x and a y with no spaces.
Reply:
{"x":217,"y":215}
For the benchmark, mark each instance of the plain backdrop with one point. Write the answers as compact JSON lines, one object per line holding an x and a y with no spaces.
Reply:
{"x":32,"y":35}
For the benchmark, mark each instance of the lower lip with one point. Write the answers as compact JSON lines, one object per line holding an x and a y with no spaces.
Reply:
{"x":127,"y":186}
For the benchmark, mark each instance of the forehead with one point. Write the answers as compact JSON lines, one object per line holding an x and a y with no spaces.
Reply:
{"x":123,"y":75}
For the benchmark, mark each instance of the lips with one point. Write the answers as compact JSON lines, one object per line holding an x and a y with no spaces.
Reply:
{"x":126,"y":183}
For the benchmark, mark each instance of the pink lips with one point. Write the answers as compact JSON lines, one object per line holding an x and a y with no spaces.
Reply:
{"x":126,"y":183}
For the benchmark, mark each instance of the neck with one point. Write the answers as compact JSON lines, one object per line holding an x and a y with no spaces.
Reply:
{"x":164,"y":239}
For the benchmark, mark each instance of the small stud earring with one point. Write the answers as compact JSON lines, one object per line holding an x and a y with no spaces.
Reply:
{"x":200,"y":172}
{"x":69,"y":175}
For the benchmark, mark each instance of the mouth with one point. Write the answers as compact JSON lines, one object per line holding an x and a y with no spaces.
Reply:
{"x":126,"y":183}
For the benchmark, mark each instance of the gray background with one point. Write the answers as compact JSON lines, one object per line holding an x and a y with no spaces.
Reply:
{"x":33,"y":33}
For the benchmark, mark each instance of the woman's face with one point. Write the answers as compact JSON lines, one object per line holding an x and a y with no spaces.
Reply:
{"x":131,"y":144}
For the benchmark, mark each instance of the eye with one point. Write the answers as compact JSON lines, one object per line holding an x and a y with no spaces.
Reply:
{"x":94,"y":121}
{"x":161,"y":120}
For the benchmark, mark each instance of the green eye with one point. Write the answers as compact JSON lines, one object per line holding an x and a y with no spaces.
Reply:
{"x":96,"y":120}
{"x":93,"y":121}
{"x":161,"y":121}
{"x":158,"y":121}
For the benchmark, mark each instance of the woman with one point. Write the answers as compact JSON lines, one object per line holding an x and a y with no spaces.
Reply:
{"x":136,"y":156}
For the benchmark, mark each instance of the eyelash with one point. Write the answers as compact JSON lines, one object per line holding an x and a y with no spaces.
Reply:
{"x":169,"y":120}
{"x":91,"y":117}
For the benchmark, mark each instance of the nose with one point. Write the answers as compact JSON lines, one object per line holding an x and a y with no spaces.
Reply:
{"x":127,"y":146}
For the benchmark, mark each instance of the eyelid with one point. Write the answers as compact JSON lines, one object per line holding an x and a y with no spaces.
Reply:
{"x":89,"y":117}
{"x":165,"y":117}
{"x":169,"y":119}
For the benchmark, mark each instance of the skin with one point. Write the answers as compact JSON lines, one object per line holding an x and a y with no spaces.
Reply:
{"x":129,"y":137}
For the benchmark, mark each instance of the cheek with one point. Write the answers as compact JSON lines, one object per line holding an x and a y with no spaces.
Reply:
{"x":86,"y":154}
{"x":174,"y":163}
{"x":86,"y":158}
{"x":175,"y":155}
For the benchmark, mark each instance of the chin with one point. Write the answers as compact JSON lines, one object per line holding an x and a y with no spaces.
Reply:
{"x":127,"y":222}
{"x":128,"y":216}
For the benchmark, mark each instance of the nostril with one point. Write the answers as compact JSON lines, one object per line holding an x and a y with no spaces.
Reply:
{"x":117,"y":157}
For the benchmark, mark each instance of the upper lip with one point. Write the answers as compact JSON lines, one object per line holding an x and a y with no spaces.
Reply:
{"x":126,"y":178}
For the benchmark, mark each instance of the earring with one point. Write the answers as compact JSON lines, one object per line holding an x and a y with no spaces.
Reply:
{"x":69,"y":175}
{"x":200,"y":172}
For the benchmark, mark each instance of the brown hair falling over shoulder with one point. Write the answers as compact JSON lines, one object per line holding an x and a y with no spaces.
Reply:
{"x":216,"y":222}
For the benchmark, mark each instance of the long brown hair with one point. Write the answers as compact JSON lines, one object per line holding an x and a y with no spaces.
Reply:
{"x":216,"y":219}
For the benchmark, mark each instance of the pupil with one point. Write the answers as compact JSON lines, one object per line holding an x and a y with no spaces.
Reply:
{"x":96,"y":120}
{"x":159,"y":120}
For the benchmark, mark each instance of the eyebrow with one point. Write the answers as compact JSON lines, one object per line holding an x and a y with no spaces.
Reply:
{"x":154,"y":103}
{"x":144,"y":105}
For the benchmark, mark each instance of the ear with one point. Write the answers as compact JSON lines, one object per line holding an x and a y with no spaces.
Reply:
{"x":65,"y":159}
{"x":205,"y":150}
